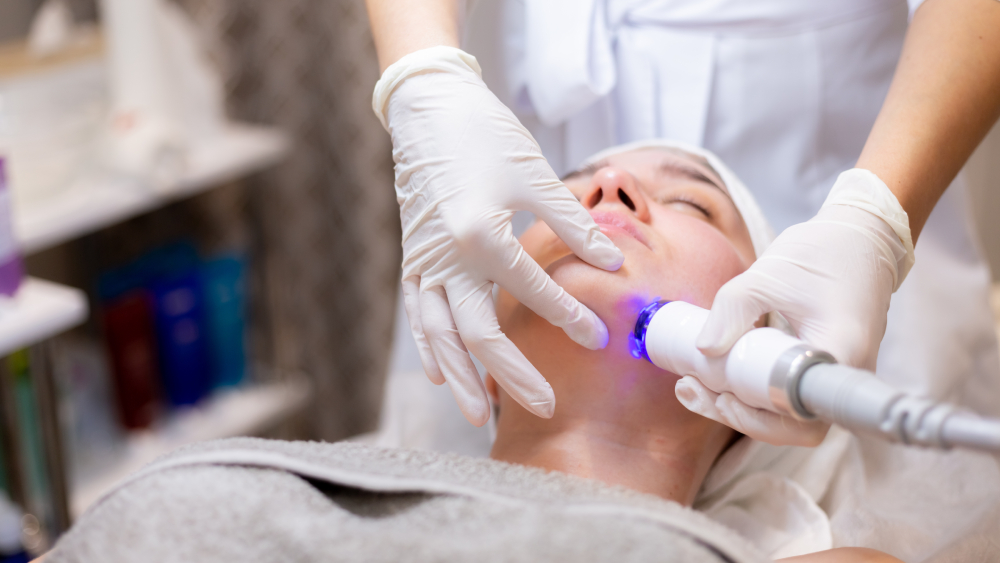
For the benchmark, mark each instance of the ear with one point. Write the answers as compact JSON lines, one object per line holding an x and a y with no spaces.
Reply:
{"x":492,"y":389}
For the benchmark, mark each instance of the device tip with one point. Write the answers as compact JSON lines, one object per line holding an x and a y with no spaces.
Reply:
{"x":637,"y":338}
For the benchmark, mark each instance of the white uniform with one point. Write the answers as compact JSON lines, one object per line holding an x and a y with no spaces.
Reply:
{"x":785,"y":92}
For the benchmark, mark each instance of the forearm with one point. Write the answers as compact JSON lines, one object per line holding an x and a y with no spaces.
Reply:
{"x":843,"y":555}
{"x":401,"y":27}
{"x":944,"y":98}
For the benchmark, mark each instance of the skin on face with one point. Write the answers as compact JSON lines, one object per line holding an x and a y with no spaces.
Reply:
{"x":683,"y":238}
{"x":671,"y":216}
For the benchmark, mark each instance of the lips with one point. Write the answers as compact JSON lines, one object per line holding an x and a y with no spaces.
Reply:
{"x":619,"y":222}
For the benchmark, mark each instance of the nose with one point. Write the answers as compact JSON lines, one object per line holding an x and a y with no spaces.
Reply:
{"x":614,"y":186}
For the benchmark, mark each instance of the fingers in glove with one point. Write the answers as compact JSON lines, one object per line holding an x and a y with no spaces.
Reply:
{"x":411,"y":301}
{"x":759,"y":424}
{"x":571,"y":222}
{"x":523,"y":278}
{"x":476,"y":319}
{"x":698,"y":399}
{"x":736,"y":308}
{"x":452,"y":356}
{"x":769,"y":427}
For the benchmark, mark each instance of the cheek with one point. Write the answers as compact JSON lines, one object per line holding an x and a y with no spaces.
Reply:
{"x":616,"y":297}
{"x":698,"y":262}
{"x":696,"y":256}
{"x":691,"y":261}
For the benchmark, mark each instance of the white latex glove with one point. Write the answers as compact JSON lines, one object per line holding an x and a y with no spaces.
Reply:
{"x":464,"y":165}
{"x":759,"y":424}
{"x":830,"y":277}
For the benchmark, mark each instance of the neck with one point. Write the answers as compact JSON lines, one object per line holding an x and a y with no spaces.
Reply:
{"x":616,"y":420}
{"x":669,"y":461}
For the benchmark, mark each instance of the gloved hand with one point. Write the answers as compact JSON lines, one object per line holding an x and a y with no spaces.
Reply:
{"x":464,"y":165}
{"x":759,"y":424}
{"x":830,"y":277}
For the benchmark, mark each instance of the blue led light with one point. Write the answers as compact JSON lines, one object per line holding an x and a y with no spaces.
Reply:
{"x":637,"y":338}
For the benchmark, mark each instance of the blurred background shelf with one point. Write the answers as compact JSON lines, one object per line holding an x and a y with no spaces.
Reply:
{"x":245,"y":411}
{"x":92,"y":204}
{"x":203,"y":291}
{"x":40,"y":310}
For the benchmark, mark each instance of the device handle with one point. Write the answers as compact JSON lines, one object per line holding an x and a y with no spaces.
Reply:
{"x":745,"y":371}
{"x":859,"y":401}
{"x":771,"y":370}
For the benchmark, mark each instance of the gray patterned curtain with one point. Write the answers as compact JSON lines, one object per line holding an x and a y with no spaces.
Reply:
{"x":325,"y":226}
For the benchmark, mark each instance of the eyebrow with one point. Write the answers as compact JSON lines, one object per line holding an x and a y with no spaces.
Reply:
{"x":689,"y":171}
{"x":666,"y":166}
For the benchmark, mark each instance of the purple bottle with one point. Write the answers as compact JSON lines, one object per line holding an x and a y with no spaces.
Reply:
{"x":11,"y":267}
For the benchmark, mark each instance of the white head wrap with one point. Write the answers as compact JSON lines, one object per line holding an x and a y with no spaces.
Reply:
{"x":761,"y":233}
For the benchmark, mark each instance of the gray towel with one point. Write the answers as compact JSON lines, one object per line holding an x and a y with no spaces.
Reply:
{"x":249,"y":500}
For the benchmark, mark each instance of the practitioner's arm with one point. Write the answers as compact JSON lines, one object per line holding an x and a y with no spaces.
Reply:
{"x":843,"y":555}
{"x":401,"y":27}
{"x":944,"y":98}
{"x":464,"y":165}
{"x":832,"y":277}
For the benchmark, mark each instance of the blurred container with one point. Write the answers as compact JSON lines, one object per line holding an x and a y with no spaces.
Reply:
{"x":183,"y":354}
{"x":51,"y":113}
{"x":93,"y":436}
{"x":11,"y":267}
{"x":176,"y":287}
{"x":34,"y":468}
{"x":225,"y":307}
{"x":166,"y":95}
{"x":127,"y":314}
{"x":169,"y":313}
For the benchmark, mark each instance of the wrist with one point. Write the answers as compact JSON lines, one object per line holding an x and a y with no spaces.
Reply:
{"x":864,"y":190}
{"x":432,"y":59}
{"x":400,"y":28}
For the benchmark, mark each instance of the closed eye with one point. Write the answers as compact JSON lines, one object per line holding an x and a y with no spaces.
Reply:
{"x":690,"y":202}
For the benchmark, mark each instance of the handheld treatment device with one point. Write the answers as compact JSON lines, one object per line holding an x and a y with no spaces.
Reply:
{"x":768,"y":369}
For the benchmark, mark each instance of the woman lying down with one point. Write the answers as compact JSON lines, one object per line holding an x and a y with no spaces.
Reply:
{"x":610,"y":477}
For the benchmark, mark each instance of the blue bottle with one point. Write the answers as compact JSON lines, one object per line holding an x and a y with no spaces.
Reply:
{"x":176,"y":288}
{"x":225,"y":313}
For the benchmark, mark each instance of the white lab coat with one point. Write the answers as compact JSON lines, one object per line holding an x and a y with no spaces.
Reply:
{"x":785,"y":92}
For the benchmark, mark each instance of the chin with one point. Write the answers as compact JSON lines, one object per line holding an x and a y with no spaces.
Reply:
{"x":616,"y":297}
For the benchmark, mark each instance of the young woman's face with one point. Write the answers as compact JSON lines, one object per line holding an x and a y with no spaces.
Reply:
{"x":671,"y":216}
{"x":683,"y":239}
